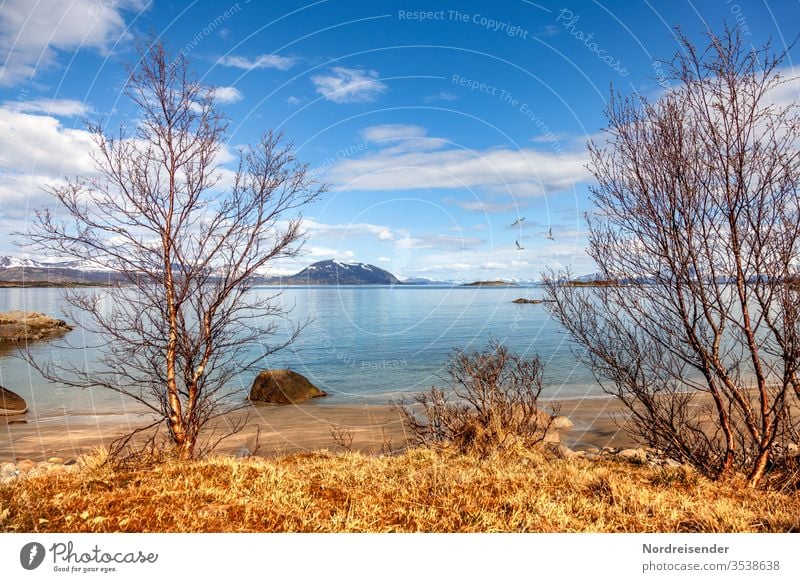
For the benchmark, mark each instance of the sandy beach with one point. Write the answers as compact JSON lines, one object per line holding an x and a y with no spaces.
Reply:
{"x":281,"y":429}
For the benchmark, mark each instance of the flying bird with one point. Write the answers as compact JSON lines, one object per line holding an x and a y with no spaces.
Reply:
{"x":550,"y":234}
{"x":519,"y":248}
{"x":518,"y":221}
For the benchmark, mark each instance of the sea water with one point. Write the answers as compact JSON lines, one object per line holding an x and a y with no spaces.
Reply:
{"x":361,"y":344}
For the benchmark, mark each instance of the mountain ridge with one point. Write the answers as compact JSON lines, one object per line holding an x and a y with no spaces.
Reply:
{"x":335,"y":272}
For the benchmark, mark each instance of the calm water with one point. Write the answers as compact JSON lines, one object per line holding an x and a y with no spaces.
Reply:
{"x":362,"y":344}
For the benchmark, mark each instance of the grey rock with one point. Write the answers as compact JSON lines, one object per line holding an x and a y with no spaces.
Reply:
{"x":633,"y":455}
{"x":560,"y":422}
{"x":560,"y":450}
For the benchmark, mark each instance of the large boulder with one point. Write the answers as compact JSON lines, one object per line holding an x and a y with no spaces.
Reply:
{"x":11,"y":403}
{"x":283,"y":387}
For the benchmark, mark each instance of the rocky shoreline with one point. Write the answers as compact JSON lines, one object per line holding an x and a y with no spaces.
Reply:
{"x":21,"y":326}
{"x":27,"y":468}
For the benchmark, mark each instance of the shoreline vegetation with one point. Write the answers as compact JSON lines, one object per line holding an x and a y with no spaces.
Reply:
{"x":293,"y":469}
{"x":420,"y":490}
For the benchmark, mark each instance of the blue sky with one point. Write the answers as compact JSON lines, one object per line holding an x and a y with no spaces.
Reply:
{"x":437,"y":125}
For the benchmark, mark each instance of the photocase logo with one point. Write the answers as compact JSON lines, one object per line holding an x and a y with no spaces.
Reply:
{"x":31,"y":555}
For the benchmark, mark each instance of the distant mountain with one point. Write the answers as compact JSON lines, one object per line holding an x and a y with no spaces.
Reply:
{"x":338,"y":273}
{"x":28,"y":271}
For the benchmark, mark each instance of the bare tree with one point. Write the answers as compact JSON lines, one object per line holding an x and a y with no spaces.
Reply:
{"x":496,"y":403}
{"x":697,"y":220}
{"x":183,"y":322}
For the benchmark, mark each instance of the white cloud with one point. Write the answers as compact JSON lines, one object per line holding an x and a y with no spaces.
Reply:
{"x":41,"y":145}
{"x":438,"y":241}
{"x":488,"y":207}
{"x":318,"y":253}
{"x":293,"y":101}
{"x":384,"y":259}
{"x":392,"y":132}
{"x":36,"y":151}
{"x":56,"y":107}
{"x":345,"y":85}
{"x":521,"y":173}
{"x":32,"y":33}
{"x":341,"y":231}
{"x":259,"y":62}
{"x":228,"y":94}
{"x":397,"y":137}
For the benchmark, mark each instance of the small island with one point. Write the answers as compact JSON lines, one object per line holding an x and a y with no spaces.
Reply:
{"x":489,"y":284}
{"x":20,"y":326}
{"x":522,"y":300}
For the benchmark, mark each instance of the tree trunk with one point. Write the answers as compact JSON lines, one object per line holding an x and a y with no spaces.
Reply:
{"x":759,"y":468}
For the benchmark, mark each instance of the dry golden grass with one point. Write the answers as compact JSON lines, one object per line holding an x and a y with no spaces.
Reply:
{"x":421,"y":490}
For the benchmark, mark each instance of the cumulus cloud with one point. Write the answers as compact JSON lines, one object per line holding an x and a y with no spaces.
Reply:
{"x":37,"y":151}
{"x":56,"y":107}
{"x":41,"y":145}
{"x":346,"y":85}
{"x":33,"y":33}
{"x":228,"y":94}
{"x":260,"y":62}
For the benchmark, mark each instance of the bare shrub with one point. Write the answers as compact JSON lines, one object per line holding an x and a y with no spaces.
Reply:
{"x":696,"y":217}
{"x":492,"y":404}
{"x":342,"y":436}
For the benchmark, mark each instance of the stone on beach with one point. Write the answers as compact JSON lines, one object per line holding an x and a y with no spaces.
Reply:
{"x":11,"y":403}
{"x":633,"y":455}
{"x":283,"y":387}
{"x":560,"y":422}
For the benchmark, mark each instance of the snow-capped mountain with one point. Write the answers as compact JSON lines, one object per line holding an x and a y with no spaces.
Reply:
{"x":22,"y":270}
{"x":335,"y":272}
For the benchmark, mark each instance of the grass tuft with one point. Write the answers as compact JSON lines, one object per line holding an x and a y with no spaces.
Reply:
{"x":424,"y":490}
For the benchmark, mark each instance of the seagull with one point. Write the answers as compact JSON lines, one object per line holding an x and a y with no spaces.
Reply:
{"x":518,"y":221}
{"x":519,"y":248}
{"x":550,"y":234}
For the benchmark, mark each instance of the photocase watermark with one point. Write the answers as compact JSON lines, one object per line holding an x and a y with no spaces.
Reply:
{"x":569,"y":21}
{"x":394,"y":364}
{"x":491,"y":24}
{"x":31,"y":555}
{"x":661,"y":77}
{"x":342,"y":153}
{"x":67,"y":559}
{"x":738,"y":15}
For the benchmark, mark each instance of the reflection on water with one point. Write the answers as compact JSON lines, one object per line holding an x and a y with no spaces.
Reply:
{"x":360,"y":343}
